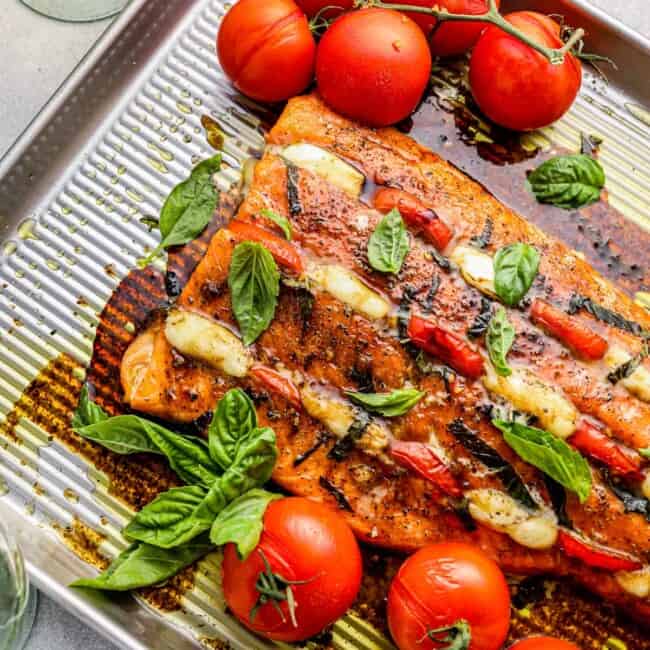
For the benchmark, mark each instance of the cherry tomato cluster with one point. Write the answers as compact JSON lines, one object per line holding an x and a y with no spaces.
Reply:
{"x":306,"y":570}
{"x":374,"y":64}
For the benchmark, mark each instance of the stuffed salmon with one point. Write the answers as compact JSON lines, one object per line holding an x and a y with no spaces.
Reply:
{"x":436,"y":367}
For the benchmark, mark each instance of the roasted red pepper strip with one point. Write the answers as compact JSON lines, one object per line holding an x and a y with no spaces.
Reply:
{"x":278,"y":384}
{"x":415,"y":214}
{"x":568,"y":329}
{"x":591,"y":441}
{"x":422,"y":459}
{"x":447,"y":346}
{"x":595,"y":557}
{"x":284,"y":253}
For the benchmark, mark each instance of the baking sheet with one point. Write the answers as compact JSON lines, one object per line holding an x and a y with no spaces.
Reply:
{"x":122,"y":131}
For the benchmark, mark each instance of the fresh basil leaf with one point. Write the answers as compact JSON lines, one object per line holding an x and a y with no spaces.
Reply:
{"x":122,"y":434}
{"x":233,"y":421}
{"x":180,"y":514}
{"x":499,"y":339}
{"x":549,"y":454}
{"x":253,"y":464}
{"x":242,"y":521}
{"x":189,"y":207}
{"x":142,"y":565}
{"x":87,"y":412}
{"x":278,"y":220}
{"x":569,"y":182}
{"x":388,"y":404}
{"x":171,"y":519}
{"x":515,"y":268}
{"x":254,"y":282}
{"x":645,"y":452}
{"x":188,"y":456}
{"x":388,"y":244}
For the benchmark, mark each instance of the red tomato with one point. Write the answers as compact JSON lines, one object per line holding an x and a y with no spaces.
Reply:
{"x":516,"y":86}
{"x":543,"y":643}
{"x":335,"y":7}
{"x":444,"y":584}
{"x":451,"y":38}
{"x":302,"y":541}
{"x":266,"y":49}
{"x":373,"y":66}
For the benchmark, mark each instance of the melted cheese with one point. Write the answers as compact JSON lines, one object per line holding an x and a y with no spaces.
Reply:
{"x":501,"y":512}
{"x":476,"y":267}
{"x":326,"y":165}
{"x":526,"y":392}
{"x":338,"y":416}
{"x":638,"y":383}
{"x":636,"y":583}
{"x":345,"y":286}
{"x":645,"y":486}
{"x":200,"y":338}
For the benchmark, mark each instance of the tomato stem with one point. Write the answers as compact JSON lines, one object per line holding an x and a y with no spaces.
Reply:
{"x":273,"y":588}
{"x":492,"y":16}
{"x":458,"y":636}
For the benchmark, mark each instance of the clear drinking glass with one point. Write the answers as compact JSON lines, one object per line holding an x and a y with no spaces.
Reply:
{"x":17,"y":597}
{"x":77,"y":10}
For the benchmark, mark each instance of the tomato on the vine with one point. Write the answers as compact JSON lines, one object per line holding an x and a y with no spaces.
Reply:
{"x":266,"y":49}
{"x":450,"y":38}
{"x":308,"y":553}
{"x":373,"y":65}
{"x":516,"y":86}
{"x":543,"y":643}
{"x":449,"y":593}
{"x":333,"y":7}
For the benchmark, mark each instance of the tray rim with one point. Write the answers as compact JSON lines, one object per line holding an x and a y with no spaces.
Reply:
{"x":101,"y":614}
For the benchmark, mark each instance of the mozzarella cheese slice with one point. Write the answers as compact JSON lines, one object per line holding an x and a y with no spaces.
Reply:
{"x":638,"y":383}
{"x":501,"y":512}
{"x":338,"y":416}
{"x":526,"y":392}
{"x":476,"y":267}
{"x":326,"y":165}
{"x":345,"y":286}
{"x":636,"y":583}
{"x":200,"y":338}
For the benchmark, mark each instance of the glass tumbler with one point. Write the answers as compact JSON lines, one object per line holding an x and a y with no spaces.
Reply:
{"x":17,"y":597}
{"x":77,"y":10}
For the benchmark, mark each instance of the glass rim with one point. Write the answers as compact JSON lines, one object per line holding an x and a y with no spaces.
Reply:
{"x":14,"y":559}
{"x":110,"y":8}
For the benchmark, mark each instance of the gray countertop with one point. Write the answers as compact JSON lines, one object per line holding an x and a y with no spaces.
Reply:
{"x":36,"y":55}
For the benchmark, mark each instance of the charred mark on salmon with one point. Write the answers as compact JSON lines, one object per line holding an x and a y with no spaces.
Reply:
{"x":322,"y":438}
{"x":342,"y":502}
{"x":483,"y":240}
{"x":293,"y":189}
{"x":605,"y":315}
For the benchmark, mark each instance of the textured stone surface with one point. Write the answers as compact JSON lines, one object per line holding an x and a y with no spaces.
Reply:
{"x":42,"y":53}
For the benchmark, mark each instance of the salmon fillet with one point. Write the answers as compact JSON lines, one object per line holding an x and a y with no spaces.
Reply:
{"x":323,"y":343}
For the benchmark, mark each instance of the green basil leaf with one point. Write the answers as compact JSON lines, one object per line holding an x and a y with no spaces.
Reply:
{"x":388,"y":244}
{"x":87,"y":412}
{"x":233,"y":421}
{"x":515,"y":268}
{"x":499,"y":339}
{"x":172,"y":518}
{"x":645,"y":452}
{"x":122,"y":434}
{"x":569,"y":182}
{"x":388,"y":404}
{"x":142,"y":565}
{"x":188,"y":457}
{"x":242,"y":521}
{"x":549,"y":454}
{"x":253,"y":465}
{"x":189,"y":207}
{"x":254,"y":282}
{"x":278,"y":220}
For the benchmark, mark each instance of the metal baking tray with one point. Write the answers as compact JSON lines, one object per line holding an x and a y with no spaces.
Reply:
{"x":116,"y":137}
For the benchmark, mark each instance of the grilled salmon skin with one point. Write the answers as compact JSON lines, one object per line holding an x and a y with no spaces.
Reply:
{"x":442,"y":470}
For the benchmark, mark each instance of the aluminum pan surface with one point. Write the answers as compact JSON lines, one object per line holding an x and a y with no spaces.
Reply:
{"x":105,"y":151}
